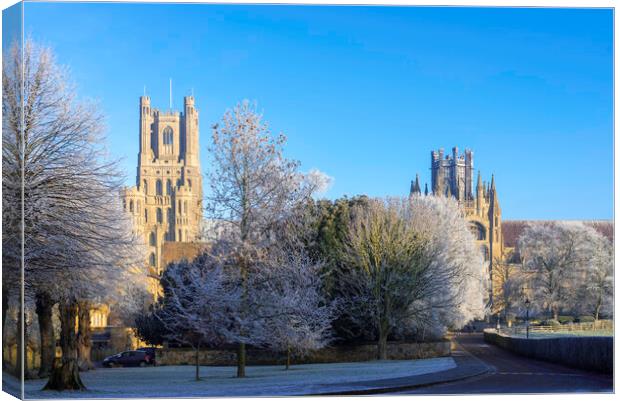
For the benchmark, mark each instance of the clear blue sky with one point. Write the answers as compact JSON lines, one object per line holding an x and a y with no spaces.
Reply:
{"x":365,"y":93}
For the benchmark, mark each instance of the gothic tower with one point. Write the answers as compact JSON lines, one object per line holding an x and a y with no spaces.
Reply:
{"x":166,"y":203}
{"x":452,"y":175}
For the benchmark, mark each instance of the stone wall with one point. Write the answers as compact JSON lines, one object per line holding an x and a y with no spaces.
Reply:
{"x":589,"y":353}
{"x":351,"y":353}
{"x":176,"y":251}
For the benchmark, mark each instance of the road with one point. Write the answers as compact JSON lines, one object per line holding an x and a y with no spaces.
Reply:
{"x":516,"y":374}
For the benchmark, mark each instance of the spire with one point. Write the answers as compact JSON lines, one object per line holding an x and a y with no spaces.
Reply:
{"x":492,"y":182}
{"x":416,"y":187}
{"x":425,"y":188}
{"x":411,"y":188}
{"x":479,"y":185}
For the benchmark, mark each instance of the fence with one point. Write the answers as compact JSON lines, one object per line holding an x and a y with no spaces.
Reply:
{"x":600,"y":325}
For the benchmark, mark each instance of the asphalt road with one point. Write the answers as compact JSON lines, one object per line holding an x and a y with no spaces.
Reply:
{"x":516,"y":374}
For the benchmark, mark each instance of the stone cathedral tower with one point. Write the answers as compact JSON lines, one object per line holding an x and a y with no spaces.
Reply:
{"x":452,"y":175}
{"x":166,"y":203}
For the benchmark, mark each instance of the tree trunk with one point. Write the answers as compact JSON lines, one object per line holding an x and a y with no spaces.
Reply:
{"x":288,"y":357}
{"x":19,"y":338}
{"x":241,"y":360}
{"x":5,"y":308}
{"x":44,"y":308}
{"x":382,"y":345}
{"x":65,"y":373}
{"x":84,"y":337}
{"x":197,"y":363}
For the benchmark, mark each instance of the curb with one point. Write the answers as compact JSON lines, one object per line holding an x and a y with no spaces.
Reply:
{"x":485,"y":369}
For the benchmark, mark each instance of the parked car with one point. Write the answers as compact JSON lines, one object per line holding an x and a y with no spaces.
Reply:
{"x":150,"y":352}
{"x":128,"y":358}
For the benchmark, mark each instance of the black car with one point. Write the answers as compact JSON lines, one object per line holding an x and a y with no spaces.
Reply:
{"x":128,"y":358}
{"x":150,"y":351}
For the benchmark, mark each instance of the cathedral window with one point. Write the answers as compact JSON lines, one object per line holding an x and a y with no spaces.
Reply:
{"x":169,"y":187}
{"x":168,"y":136}
{"x":145,"y":187}
{"x":185,"y":206}
{"x":159,"y":215}
{"x":152,"y":259}
{"x":152,"y":239}
{"x":169,"y":215}
{"x":131,"y":206}
{"x":189,"y":184}
{"x":146,"y":215}
{"x":479,"y":231}
{"x":158,"y":188}
{"x":180,"y":210}
{"x":180,"y":239}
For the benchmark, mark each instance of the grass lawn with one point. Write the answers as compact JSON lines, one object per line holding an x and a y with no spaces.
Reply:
{"x":178,"y":381}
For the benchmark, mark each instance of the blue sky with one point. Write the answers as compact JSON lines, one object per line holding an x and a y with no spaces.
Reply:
{"x":365,"y":93}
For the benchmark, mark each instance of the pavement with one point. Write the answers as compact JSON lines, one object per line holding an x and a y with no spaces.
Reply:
{"x":467,"y":366}
{"x":511,"y":373}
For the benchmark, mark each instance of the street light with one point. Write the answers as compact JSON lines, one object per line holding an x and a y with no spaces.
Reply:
{"x":527,"y":318}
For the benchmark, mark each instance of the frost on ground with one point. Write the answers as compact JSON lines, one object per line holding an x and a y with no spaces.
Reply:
{"x":178,"y":381}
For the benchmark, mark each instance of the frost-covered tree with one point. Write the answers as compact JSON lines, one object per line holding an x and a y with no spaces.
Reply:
{"x":76,"y":241}
{"x":412,"y":265}
{"x":557,"y":255}
{"x":298,"y":314}
{"x":199,"y":307}
{"x":253,"y":188}
{"x":597,"y":289}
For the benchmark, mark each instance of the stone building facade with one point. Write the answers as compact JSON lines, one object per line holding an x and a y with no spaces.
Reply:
{"x":452,"y":175}
{"x":166,"y":202}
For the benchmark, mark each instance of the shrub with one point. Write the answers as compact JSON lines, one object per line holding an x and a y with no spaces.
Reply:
{"x":585,"y":319}
{"x":565,"y":319}
{"x":550,"y":322}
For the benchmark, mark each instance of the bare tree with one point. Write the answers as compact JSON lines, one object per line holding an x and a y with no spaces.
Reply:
{"x":598,"y":285}
{"x":75,"y":233}
{"x":412,"y":263}
{"x":554,"y":254}
{"x":253,"y":188}
{"x":199,"y":308}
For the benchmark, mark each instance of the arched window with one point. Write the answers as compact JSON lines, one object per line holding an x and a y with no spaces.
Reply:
{"x":131,"y":206}
{"x":146,"y":215}
{"x":158,"y":189}
{"x":189,"y":184}
{"x":160,"y":218}
{"x":152,"y":241}
{"x":180,"y":237}
{"x":480,"y":233}
{"x":152,"y":260}
{"x":185,"y":206}
{"x":145,"y":187}
{"x":169,"y":187}
{"x":168,"y":136}
{"x":169,"y":215}
{"x":180,"y":210}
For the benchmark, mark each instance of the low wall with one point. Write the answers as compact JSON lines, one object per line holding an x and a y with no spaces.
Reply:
{"x":589,"y":353}
{"x":353,"y":353}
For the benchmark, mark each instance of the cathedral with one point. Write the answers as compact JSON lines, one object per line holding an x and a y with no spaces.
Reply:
{"x":452,"y":175}
{"x":166,"y":202}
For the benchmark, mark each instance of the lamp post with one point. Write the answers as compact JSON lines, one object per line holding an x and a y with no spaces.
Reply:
{"x":527,"y":318}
